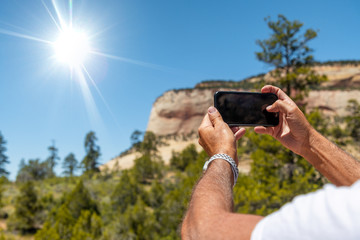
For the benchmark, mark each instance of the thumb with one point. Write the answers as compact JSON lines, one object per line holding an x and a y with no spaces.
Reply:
{"x":280,"y":106}
{"x":214,"y":116}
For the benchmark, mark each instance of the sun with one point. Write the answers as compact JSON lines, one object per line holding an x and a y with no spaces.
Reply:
{"x":72,"y":47}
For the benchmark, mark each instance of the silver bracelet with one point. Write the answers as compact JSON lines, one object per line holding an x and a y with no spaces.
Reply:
{"x":227,"y":158}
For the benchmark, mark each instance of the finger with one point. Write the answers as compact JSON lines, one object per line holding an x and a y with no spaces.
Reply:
{"x":272,"y":89}
{"x":239,"y":133}
{"x":214,"y":116}
{"x":206,"y":122}
{"x":280,"y":106}
{"x":234,"y":129}
{"x":263,"y":130}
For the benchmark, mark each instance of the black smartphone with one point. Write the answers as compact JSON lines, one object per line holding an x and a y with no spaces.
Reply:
{"x":246,"y":108}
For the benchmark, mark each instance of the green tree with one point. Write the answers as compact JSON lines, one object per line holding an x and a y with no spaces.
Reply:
{"x":150,"y":144}
{"x":183,"y":159}
{"x":58,"y":226}
{"x":3,"y":158}
{"x":277,"y":175}
{"x":70,"y":164}
{"x":147,"y":168}
{"x":149,"y":165}
{"x":353,"y":119}
{"x":91,"y":159}
{"x":32,"y":171}
{"x":88,"y":226}
{"x":62,"y":221}
{"x":287,"y":50}
{"x":26,"y":209}
{"x":137,"y":222}
{"x":52,"y":159}
{"x":79,"y":200}
{"x":126,"y":192}
{"x":135,"y":139}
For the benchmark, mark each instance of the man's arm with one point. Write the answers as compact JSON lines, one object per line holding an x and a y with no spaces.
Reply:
{"x":334,"y":163}
{"x":209,"y":215}
{"x":295,"y":133}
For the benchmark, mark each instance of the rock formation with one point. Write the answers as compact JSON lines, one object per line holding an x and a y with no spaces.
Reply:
{"x":179,"y":112}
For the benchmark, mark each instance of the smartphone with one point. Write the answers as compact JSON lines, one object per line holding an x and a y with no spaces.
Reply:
{"x":246,"y":108}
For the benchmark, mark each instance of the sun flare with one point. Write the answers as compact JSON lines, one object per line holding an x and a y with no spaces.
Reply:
{"x":72,"y":47}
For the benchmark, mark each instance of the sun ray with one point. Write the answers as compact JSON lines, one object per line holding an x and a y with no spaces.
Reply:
{"x":70,"y":12}
{"x":132,"y":61}
{"x":102,"y":31}
{"x":14,"y":27}
{"x":101,"y":96}
{"x":58,"y":14}
{"x":24,"y":36}
{"x":88,"y":98}
{"x":51,"y":16}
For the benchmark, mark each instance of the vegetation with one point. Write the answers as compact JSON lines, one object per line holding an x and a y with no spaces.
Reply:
{"x":70,"y":164}
{"x":3,"y":158}
{"x":252,"y":82}
{"x":287,"y":50}
{"x":353,"y":120}
{"x":337,"y":62}
{"x":24,"y":218}
{"x":51,"y":161}
{"x":148,"y":200}
{"x":90,"y":162}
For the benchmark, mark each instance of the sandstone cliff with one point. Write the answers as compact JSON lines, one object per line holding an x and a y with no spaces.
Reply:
{"x":179,"y":112}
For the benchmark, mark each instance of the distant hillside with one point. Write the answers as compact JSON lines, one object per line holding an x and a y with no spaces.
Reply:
{"x":342,"y":75}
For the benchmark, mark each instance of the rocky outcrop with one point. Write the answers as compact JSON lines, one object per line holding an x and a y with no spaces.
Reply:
{"x":180,"y":112}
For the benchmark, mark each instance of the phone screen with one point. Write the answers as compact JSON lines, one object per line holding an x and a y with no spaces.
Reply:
{"x":246,"y":108}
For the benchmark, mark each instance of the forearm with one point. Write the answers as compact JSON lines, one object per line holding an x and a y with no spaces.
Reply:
{"x":212,"y":194}
{"x":334,"y":163}
{"x":210,"y":210}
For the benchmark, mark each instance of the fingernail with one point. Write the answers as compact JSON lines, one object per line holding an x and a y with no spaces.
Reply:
{"x":211,"y":110}
{"x":268,"y":107}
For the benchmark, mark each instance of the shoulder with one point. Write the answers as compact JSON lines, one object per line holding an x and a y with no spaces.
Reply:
{"x":329,"y":213}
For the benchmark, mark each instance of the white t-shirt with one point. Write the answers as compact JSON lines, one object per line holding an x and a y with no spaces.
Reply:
{"x":329,"y":213}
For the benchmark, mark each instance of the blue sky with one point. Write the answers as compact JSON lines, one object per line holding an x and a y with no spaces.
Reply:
{"x":168,"y":45}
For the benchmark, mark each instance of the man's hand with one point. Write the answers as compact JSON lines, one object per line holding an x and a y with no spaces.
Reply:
{"x":216,"y":136}
{"x":293,"y":130}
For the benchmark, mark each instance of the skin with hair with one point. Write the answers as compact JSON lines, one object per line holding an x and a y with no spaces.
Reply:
{"x":210,"y":212}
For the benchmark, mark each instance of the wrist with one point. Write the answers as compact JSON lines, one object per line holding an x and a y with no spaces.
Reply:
{"x":231,"y":153}
{"x":228,"y":161}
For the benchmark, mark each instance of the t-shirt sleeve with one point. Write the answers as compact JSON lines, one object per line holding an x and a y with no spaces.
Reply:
{"x":329,"y":213}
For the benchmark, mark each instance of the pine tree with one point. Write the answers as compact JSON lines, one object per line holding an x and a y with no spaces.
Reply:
{"x":79,"y":200}
{"x":3,"y":158}
{"x":135,"y":139}
{"x":353,"y":119}
{"x":183,"y":159}
{"x":287,"y":50}
{"x":126,"y":192}
{"x":32,"y":171}
{"x":90,"y":161}
{"x":26,"y":208}
{"x":52,"y":159}
{"x":73,"y":218}
{"x":277,"y":175}
{"x":70,"y":164}
{"x":88,"y":226}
